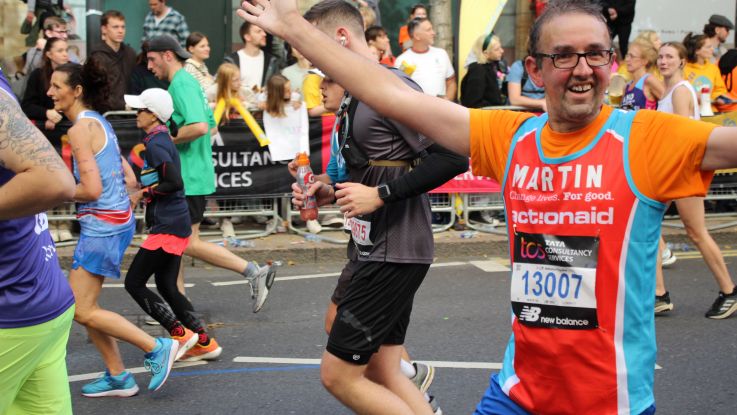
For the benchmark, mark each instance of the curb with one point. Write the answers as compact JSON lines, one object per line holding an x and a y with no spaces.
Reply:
{"x":295,"y":249}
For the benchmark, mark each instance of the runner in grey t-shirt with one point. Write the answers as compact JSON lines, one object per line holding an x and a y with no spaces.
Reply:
{"x":401,"y":231}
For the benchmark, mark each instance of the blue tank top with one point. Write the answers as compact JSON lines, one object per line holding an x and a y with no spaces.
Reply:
{"x":111,"y":213}
{"x":33,"y":290}
{"x":634,"y":96}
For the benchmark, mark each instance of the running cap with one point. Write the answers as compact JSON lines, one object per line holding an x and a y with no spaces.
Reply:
{"x":719,"y":20}
{"x":167,"y":42}
{"x":156,"y":100}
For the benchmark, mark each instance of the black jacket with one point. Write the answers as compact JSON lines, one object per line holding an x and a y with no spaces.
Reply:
{"x":480,"y":86}
{"x":625,"y":11}
{"x":119,"y":67}
{"x":272,"y":65}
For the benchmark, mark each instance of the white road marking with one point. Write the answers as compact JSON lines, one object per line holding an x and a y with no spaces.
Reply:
{"x":150,"y":285}
{"x":434,"y":363}
{"x":490,"y":266}
{"x":447,"y":264}
{"x":493,"y":265}
{"x":95,"y":375}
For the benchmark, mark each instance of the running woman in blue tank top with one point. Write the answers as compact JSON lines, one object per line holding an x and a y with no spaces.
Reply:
{"x":107,"y":226}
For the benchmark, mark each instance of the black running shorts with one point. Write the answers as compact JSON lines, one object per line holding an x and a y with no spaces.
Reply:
{"x":375,"y":310}
{"x":196,"y":205}
{"x":344,"y":281}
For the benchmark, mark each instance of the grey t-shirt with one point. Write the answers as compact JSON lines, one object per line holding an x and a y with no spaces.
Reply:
{"x":401,"y":231}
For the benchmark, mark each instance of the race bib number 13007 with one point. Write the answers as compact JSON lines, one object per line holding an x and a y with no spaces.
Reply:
{"x":554,"y":281}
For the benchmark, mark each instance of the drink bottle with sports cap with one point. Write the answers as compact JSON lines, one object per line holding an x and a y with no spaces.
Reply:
{"x":305,"y":178}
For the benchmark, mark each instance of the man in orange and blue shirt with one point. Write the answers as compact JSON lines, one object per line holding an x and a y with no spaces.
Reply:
{"x":585,"y":187}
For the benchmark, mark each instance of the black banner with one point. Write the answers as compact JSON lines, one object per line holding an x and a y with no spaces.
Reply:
{"x":242,"y":167}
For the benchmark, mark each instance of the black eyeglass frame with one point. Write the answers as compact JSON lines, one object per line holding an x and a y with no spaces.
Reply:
{"x":554,"y":57}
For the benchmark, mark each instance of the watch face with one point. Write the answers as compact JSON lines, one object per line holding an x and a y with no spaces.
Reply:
{"x":383,"y":191}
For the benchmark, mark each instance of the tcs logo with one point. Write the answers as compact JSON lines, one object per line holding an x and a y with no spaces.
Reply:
{"x":531,"y":250}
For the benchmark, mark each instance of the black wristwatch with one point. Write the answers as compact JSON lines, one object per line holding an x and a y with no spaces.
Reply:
{"x":384,"y":191}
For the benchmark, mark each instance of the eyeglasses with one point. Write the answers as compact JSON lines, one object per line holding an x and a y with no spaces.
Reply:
{"x":631,"y":56}
{"x":140,"y":110}
{"x":569,"y":60}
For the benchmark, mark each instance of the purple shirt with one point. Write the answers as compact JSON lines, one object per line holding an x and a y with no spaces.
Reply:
{"x":33,"y":290}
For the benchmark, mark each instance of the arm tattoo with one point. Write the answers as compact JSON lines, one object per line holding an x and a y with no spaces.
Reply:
{"x":23,"y":139}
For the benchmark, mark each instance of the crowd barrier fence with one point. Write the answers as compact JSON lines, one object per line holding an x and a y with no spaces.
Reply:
{"x":250,"y":184}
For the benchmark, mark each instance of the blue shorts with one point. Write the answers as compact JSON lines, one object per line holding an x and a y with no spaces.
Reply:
{"x":496,"y":402}
{"x":102,"y":255}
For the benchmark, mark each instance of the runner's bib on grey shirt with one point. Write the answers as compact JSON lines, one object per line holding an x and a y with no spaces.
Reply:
{"x":401,"y":231}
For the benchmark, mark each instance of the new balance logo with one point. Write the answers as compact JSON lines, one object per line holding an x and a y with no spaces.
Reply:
{"x":530,"y":314}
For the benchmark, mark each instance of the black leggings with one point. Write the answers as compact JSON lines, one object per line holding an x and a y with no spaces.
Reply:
{"x":165,"y":266}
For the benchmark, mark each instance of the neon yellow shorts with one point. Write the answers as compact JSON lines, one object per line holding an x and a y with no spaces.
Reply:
{"x":33,"y":369}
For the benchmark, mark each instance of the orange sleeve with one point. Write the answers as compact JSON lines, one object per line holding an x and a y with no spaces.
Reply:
{"x":403,"y":36}
{"x":665,"y":155}
{"x":491,"y":136}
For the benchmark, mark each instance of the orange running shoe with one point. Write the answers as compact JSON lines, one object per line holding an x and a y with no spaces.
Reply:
{"x":186,"y":342}
{"x":200,"y":352}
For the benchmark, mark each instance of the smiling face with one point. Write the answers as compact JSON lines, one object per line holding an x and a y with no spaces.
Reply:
{"x":574,"y":96}
{"x":63,"y":95}
{"x":200,"y":51}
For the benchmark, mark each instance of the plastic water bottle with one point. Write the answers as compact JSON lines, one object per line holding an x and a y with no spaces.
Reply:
{"x":468,"y":234}
{"x":238,"y":243}
{"x":305,"y":178}
{"x":312,"y":237}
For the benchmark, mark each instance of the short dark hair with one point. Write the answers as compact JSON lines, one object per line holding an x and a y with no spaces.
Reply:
{"x":374,"y":32}
{"x":557,"y":8}
{"x":111,"y":14}
{"x":93,"y":78}
{"x":412,"y":25}
{"x":710,"y":29}
{"x":193,"y":39}
{"x":328,"y":14}
{"x":245,"y":27}
{"x":414,"y":8}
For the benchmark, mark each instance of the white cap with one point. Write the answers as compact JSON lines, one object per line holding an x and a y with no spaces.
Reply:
{"x":156,"y":100}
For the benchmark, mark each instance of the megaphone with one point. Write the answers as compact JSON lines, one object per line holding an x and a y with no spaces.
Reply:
{"x":705,"y":110}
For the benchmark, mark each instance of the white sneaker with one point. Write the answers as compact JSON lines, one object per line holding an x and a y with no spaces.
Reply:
{"x":668,"y":257}
{"x":54,"y":234}
{"x":313,"y":226}
{"x":260,"y":286}
{"x":227,"y":227}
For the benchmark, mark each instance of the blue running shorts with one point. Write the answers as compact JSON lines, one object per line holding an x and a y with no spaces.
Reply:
{"x":102,"y":255}
{"x":496,"y":402}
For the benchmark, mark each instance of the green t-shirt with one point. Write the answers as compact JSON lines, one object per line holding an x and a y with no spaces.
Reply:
{"x":190,"y":106}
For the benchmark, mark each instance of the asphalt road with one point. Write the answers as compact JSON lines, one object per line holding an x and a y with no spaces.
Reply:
{"x":460,"y":321}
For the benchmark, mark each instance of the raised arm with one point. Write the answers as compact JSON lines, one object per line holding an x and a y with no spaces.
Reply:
{"x":41,"y":179}
{"x":444,"y":122}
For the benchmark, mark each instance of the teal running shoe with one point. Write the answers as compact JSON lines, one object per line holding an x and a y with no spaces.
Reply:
{"x":121,"y":386}
{"x":160,"y":360}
